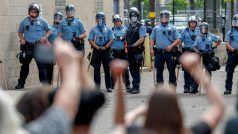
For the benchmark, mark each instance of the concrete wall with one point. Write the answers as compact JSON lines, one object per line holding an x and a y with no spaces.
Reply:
{"x":12,"y":12}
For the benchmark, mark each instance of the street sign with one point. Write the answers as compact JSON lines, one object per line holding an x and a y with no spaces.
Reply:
{"x":152,"y":15}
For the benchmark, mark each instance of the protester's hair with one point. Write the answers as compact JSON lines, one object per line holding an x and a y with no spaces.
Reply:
{"x":164,"y":115}
{"x":90,"y":102}
{"x":10,"y":120}
{"x":33,"y":104}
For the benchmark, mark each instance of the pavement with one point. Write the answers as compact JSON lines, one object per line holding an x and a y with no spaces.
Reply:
{"x":192,"y":106}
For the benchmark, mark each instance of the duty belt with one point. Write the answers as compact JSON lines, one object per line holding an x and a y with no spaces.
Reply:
{"x":118,"y":50}
{"x":32,"y":44}
{"x":191,"y":49}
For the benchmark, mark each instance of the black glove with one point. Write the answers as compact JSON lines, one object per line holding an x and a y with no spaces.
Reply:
{"x":101,"y":49}
{"x":130,"y":47}
{"x":214,"y":47}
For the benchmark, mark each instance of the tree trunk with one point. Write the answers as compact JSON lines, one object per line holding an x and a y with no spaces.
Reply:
{"x":192,"y":4}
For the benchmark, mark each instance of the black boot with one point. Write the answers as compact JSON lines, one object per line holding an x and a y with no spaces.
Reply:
{"x":227,"y":92}
{"x":19,"y":86}
{"x":135,"y":91}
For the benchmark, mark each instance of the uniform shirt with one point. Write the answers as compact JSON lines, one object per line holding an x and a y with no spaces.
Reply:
{"x":34,"y":30}
{"x":101,"y":36}
{"x":189,"y":36}
{"x":53,"y":36}
{"x":234,"y":42}
{"x":204,"y":43}
{"x":119,"y":33}
{"x":71,"y":28}
{"x":164,"y":35}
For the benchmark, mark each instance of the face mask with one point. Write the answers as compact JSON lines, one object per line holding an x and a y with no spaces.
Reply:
{"x":203,"y":30}
{"x":101,"y":23}
{"x":134,"y":19}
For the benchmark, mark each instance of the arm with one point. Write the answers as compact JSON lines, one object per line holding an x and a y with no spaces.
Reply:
{"x":213,"y":115}
{"x":68,"y":96}
{"x":139,"y":42}
{"x":83,"y":35}
{"x":218,"y":43}
{"x":22,"y":39}
{"x":152,"y":43}
{"x":229,"y":47}
{"x":118,"y":68}
{"x":133,"y":115}
{"x":109,"y":44}
{"x":93,"y":44}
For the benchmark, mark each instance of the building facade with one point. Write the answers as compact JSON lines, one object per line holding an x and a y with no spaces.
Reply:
{"x":12,"y":12}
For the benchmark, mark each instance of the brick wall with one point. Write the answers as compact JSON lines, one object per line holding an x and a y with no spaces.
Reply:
{"x":12,"y":12}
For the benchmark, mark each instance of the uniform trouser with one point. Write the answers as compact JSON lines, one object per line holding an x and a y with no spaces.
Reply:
{"x":232,"y":62}
{"x":189,"y":82}
{"x":25,"y":67}
{"x":120,"y":54}
{"x":160,"y":60}
{"x":134,"y":70}
{"x":99,"y":58}
{"x":50,"y":69}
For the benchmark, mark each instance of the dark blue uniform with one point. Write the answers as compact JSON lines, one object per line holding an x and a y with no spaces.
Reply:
{"x":135,"y":56}
{"x":164,"y":35}
{"x":71,"y":29}
{"x":232,"y":62}
{"x":33,"y":31}
{"x":101,"y":35}
{"x":119,"y":51}
{"x":188,"y":37}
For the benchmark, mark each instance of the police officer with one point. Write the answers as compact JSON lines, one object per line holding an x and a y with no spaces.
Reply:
{"x":188,"y":37}
{"x":71,"y":29}
{"x":118,"y":46}
{"x":167,"y":38}
{"x":204,"y":45}
{"x":135,"y":37}
{"x":58,"y":16}
{"x":232,"y":50}
{"x":33,"y":30}
{"x":101,"y":38}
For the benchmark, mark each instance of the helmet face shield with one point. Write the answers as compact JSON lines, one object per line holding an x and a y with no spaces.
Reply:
{"x":203,"y":29}
{"x":101,"y":21}
{"x":164,"y":18}
{"x":235,"y":23}
{"x":116,"y":18}
{"x":58,"y":17}
{"x":70,"y":13}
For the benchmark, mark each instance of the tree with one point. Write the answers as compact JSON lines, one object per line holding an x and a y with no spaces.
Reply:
{"x":178,"y":5}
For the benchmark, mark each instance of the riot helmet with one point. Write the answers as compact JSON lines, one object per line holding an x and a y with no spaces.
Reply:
{"x":164,"y":16}
{"x":58,"y":16}
{"x":235,"y":21}
{"x":35,"y":7}
{"x":101,"y":19}
{"x":70,"y":10}
{"x":192,"y":19}
{"x":134,"y":14}
{"x":204,"y":27}
{"x":147,"y":22}
{"x":116,"y":18}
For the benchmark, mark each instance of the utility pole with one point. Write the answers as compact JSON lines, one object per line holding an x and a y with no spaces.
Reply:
{"x":215,"y":14}
{"x":205,"y":11}
{"x":173,"y":11}
{"x":139,"y":5}
{"x":152,"y":14}
{"x":232,"y":9}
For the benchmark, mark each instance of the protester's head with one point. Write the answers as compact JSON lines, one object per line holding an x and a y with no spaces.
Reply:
{"x":164,"y":115}
{"x":33,"y":104}
{"x":10,"y":119}
{"x":90,"y":102}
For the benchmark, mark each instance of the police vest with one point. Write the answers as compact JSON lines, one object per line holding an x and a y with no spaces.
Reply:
{"x":133,"y":35}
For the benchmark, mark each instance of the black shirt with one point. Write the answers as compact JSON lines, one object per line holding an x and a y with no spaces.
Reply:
{"x":201,"y":128}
